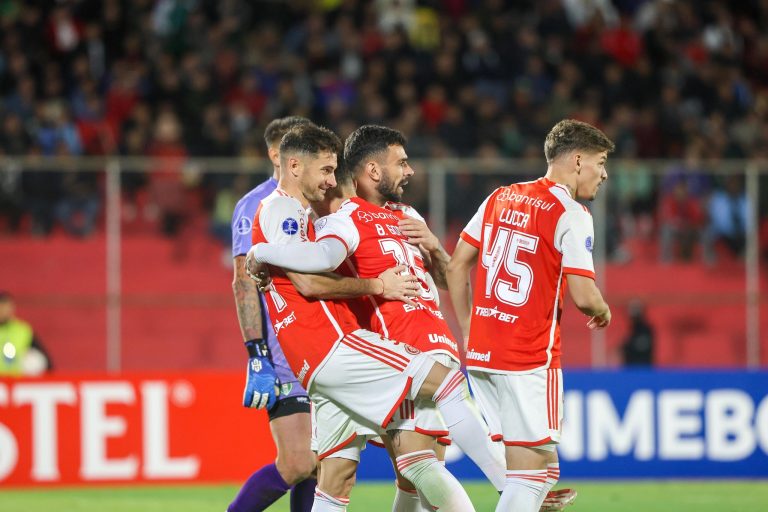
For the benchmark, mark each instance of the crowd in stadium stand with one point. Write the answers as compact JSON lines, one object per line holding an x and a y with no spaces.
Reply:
{"x":678,"y":79}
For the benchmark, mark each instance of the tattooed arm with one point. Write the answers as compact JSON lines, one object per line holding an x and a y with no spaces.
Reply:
{"x":247,"y":301}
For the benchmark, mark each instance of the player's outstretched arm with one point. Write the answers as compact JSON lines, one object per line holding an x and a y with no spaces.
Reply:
{"x":435,"y":256}
{"x":322,"y":256}
{"x":589,"y":300}
{"x":463,"y":259}
{"x":392,"y":284}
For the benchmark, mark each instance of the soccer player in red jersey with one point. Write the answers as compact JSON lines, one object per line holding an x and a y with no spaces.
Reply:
{"x":289,"y":411}
{"x":530,"y":239}
{"x":375,"y":158}
{"x":342,"y":366}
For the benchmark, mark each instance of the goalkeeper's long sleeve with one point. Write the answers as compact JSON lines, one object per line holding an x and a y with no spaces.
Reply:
{"x":322,"y":256}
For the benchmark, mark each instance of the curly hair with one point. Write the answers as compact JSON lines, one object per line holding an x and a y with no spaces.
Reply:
{"x":571,"y":135}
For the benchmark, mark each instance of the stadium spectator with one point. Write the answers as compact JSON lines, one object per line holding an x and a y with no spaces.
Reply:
{"x":727,"y":208}
{"x":681,"y":220}
{"x":622,"y":43}
{"x":166,"y":185}
{"x":632,"y":196}
{"x":22,"y":352}
{"x":54,"y":130}
{"x":637,"y":347}
{"x":11,"y":205}
{"x":79,"y":204}
{"x":13,"y":141}
{"x":42,"y":190}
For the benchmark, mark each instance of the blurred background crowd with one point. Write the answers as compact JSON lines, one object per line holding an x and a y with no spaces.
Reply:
{"x":666,"y":79}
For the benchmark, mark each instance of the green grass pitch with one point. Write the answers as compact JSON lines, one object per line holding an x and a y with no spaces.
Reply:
{"x":700,"y":496}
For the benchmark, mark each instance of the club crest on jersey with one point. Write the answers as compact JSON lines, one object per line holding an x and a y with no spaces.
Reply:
{"x":290,"y":226}
{"x":320,"y":224}
{"x":588,"y":243}
{"x":411,"y":350}
{"x":244,"y":225}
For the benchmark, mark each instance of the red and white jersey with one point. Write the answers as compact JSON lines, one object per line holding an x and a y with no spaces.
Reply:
{"x":374,"y":244}
{"x":307,"y":329}
{"x":530,"y":235}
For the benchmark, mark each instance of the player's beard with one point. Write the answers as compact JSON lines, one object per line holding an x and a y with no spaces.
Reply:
{"x":388,"y":188}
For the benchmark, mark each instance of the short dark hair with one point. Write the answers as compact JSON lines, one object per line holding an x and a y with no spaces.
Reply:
{"x":367,"y":141}
{"x":309,"y":139}
{"x":344,"y":175}
{"x":571,"y":135}
{"x":278,"y":127}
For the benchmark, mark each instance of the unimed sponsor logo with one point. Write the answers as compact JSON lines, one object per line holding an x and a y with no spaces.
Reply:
{"x":440,"y":338}
{"x":103,"y":411}
{"x":478,"y":356}
{"x":722,"y":425}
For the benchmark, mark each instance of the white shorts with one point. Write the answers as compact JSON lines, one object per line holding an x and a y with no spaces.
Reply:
{"x":521,"y":409}
{"x":422,"y":415}
{"x":340,"y":436}
{"x":359,"y":389}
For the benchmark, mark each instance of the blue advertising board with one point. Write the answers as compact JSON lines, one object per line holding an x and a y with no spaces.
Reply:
{"x":648,"y":424}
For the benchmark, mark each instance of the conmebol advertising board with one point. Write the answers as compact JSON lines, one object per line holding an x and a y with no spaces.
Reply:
{"x":651,"y":424}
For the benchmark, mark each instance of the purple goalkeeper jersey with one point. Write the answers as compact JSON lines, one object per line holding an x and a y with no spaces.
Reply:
{"x":242,"y":226}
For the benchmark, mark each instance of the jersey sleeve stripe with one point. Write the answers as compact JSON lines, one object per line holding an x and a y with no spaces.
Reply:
{"x":471,"y":241}
{"x":579,"y":272}
{"x":337,"y":237}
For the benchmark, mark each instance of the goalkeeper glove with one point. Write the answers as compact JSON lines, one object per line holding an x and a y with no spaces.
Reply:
{"x":262,"y":386}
